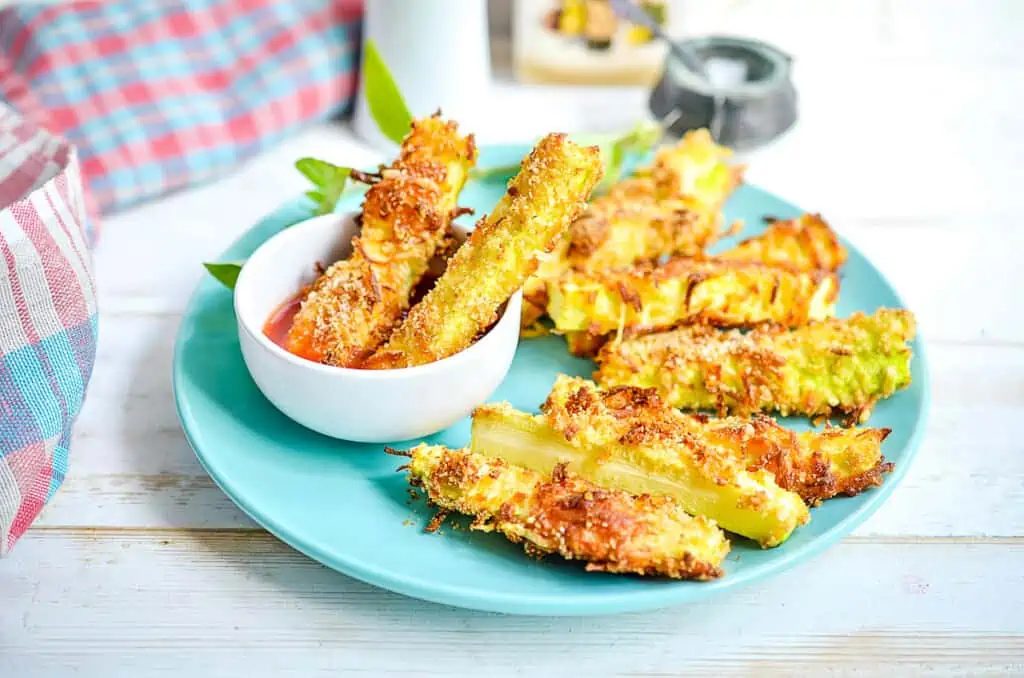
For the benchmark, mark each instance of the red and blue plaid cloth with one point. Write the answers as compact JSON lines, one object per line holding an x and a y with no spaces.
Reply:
{"x":108,"y":104}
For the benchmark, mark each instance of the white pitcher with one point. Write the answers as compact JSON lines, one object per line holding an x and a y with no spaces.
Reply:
{"x":438,"y":52}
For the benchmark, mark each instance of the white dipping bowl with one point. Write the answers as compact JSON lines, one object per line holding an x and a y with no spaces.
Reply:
{"x":372,"y":406}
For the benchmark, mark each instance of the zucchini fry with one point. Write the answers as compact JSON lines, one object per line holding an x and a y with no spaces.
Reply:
{"x":593,"y":434}
{"x":645,"y":217}
{"x":535,"y":291}
{"x":502,"y":251}
{"x":803,"y":244}
{"x":645,"y":297}
{"x":696,"y":167}
{"x":616,"y":232}
{"x":817,"y":465}
{"x":562,"y":513}
{"x":671,"y":207}
{"x":806,"y":243}
{"x":351,"y":308}
{"x":833,"y":367}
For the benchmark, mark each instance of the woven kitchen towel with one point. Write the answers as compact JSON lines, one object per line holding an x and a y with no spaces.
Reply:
{"x":128,"y":100}
{"x":47,"y":317}
{"x":163,"y":94}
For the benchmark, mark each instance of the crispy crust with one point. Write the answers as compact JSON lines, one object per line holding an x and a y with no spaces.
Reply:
{"x":563,"y":514}
{"x":585,"y":344}
{"x":695,"y":167}
{"x":817,"y":465}
{"x":503,"y":250}
{"x":832,"y":367}
{"x":606,"y":440}
{"x":648,"y":296}
{"x":354,"y":305}
{"x":645,"y":218}
{"x":806,"y":243}
{"x":618,"y":230}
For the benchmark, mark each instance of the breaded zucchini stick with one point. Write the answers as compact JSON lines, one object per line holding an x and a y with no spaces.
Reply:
{"x":562,"y":513}
{"x":592,"y":433}
{"x":645,"y":217}
{"x":803,"y":244}
{"x":806,"y":243}
{"x":354,"y":305}
{"x":616,"y":232}
{"x":725,"y":294}
{"x":838,"y":366}
{"x":502,"y":251}
{"x":816,"y":465}
{"x":696,"y":167}
{"x":535,"y":290}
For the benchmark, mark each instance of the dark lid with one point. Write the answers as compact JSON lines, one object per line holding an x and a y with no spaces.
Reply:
{"x":752,"y":110}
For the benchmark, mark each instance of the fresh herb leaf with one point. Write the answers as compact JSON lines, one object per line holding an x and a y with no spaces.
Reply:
{"x":329,"y":179}
{"x":387,"y":106}
{"x":487,"y":173}
{"x":225,"y":272}
{"x":616,"y":149}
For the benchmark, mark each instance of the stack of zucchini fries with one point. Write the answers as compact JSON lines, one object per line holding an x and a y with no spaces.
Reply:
{"x":646,"y":467}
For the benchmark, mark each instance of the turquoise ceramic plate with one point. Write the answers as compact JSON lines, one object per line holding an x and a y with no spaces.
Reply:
{"x":345,"y":504}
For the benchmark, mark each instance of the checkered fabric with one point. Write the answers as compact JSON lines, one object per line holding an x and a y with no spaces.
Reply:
{"x":162,"y":94}
{"x":107,"y":104}
{"x":47,"y":317}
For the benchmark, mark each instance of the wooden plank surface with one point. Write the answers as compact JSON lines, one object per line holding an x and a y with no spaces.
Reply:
{"x":909,"y":142}
{"x":242,"y":602}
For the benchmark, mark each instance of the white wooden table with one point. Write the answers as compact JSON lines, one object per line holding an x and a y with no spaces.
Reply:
{"x":911,"y":142}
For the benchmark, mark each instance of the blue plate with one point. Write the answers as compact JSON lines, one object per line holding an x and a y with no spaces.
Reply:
{"x":345,"y":504}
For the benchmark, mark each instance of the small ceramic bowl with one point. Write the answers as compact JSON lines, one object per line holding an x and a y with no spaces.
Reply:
{"x":373,"y":406}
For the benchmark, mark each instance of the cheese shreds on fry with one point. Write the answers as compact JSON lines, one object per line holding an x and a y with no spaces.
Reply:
{"x":501,"y":252}
{"x":817,"y":465}
{"x":563,"y":514}
{"x":833,"y":367}
{"x":806,"y":243}
{"x":597,"y":436}
{"x":646,"y":297}
{"x":696,"y":167}
{"x":803,"y":244}
{"x":646,"y":217}
{"x":617,"y":231}
{"x":351,"y":308}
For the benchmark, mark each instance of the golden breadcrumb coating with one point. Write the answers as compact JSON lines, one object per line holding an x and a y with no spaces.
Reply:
{"x":564,"y":514}
{"x":696,"y":167}
{"x":601,"y":436}
{"x":549,"y":191}
{"x":644,"y":218}
{"x":646,"y":297}
{"x":351,"y":309}
{"x":806,"y":243}
{"x":816,"y":465}
{"x":837,"y":366}
{"x":617,"y":231}
{"x":803,"y":244}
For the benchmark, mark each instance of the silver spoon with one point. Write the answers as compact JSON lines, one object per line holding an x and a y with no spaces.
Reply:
{"x":633,"y":13}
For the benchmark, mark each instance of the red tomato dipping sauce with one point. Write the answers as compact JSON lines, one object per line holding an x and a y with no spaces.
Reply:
{"x":279,"y":326}
{"x":280,"y":321}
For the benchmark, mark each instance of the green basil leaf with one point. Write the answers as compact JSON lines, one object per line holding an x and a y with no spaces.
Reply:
{"x":487,"y":173}
{"x":329,"y":179}
{"x":616,"y":156}
{"x":387,"y":106}
{"x":225,"y":272}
